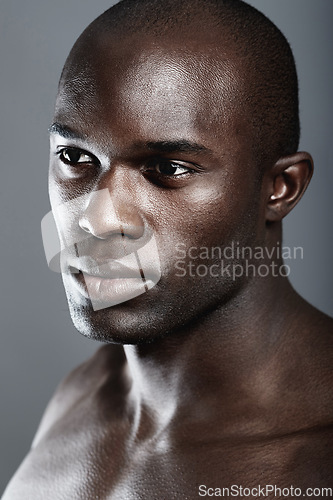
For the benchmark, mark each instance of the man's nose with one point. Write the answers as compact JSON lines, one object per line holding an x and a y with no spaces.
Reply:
{"x":112,"y":210}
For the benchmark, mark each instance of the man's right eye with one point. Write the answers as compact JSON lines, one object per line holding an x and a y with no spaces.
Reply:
{"x":73,"y":156}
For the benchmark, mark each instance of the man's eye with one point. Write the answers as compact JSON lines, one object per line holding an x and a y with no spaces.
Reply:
{"x":170,"y":168}
{"x":74,"y":156}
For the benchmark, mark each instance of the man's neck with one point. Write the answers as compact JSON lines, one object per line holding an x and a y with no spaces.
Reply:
{"x":224,"y":371}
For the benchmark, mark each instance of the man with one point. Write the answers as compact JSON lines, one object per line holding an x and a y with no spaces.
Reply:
{"x":174,"y":146}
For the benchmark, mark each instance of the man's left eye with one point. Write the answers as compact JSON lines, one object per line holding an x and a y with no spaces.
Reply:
{"x":171,"y":169}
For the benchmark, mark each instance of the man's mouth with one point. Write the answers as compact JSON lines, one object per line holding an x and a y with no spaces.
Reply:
{"x":111,"y":284}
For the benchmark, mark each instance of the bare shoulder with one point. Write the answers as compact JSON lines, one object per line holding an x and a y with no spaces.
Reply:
{"x":319,"y":327}
{"x":313,"y":360}
{"x":106,"y":366}
{"x":89,"y":404}
{"x":316,"y":331}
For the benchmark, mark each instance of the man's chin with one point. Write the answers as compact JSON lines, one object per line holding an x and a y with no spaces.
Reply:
{"x":120,"y":324}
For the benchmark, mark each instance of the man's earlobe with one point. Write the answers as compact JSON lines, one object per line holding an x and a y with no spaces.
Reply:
{"x":290,"y":177}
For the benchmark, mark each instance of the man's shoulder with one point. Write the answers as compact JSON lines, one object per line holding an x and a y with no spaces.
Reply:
{"x":105,"y":368}
{"x":89,"y":404}
{"x":309,"y":368}
{"x":319,"y":327}
{"x":307,"y":320}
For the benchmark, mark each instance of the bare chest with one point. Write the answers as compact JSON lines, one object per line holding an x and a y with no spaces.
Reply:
{"x":87,"y":464}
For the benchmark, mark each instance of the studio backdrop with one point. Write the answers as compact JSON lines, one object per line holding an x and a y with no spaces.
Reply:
{"x":39,"y":345}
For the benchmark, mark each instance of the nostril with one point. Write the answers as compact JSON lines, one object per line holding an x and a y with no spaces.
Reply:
{"x":131,"y":231}
{"x":84,"y":225}
{"x":102,"y":217}
{"x":105,"y":229}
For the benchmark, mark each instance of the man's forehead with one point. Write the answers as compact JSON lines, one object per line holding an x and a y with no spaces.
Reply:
{"x":160,"y":76}
{"x":141,"y":54}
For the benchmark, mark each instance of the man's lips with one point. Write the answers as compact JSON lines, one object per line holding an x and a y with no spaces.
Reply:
{"x":131,"y":266}
{"x":112,"y":283}
{"x":108,"y":272}
{"x":108,"y":282}
{"x":110,"y":290}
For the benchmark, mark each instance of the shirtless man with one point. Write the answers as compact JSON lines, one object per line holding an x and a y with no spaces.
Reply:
{"x":186,"y":113}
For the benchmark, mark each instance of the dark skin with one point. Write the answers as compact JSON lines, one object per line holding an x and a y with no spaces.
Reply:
{"x":234,"y":385}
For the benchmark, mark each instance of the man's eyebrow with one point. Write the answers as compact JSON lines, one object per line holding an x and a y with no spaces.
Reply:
{"x":64,"y":131}
{"x":178,"y":146}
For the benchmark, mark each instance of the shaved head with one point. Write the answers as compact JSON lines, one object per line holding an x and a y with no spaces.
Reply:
{"x":257,"y":77}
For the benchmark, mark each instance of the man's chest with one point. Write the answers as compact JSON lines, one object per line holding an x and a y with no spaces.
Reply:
{"x":87,"y":465}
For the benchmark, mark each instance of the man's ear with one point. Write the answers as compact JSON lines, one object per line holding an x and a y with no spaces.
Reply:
{"x":289,"y":179}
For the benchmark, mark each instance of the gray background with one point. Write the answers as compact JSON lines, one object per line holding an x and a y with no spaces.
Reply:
{"x":39,"y":345}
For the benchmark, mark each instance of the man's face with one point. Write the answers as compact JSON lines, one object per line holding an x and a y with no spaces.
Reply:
{"x":149,"y":146}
